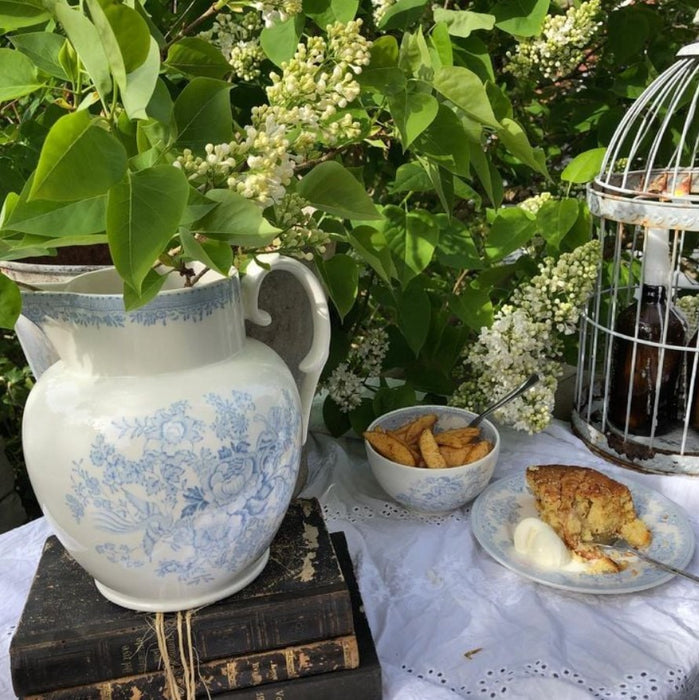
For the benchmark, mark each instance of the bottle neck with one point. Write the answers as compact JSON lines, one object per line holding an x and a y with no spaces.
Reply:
{"x":653,"y":294}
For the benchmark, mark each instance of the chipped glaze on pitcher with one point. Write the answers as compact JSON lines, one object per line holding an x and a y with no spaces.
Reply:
{"x":164,"y":445}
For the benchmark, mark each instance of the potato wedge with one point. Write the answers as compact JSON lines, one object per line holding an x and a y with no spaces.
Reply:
{"x":454,"y":456}
{"x":414,"y":429}
{"x":448,"y":440}
{"x":478,"y":450}
{"x":464,"y":435}
{"x":430,"y":450}
{"x":390,"y":447}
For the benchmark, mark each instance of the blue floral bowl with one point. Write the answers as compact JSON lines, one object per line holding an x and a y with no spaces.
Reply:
{"x":433,"y":490}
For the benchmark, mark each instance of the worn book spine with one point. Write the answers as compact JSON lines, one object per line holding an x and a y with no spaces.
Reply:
{"x":214,"y":677}
{"x":69,"y":635}
{"x":361,"y":683}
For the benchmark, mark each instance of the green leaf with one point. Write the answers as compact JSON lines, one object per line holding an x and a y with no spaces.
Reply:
{"x":17,"y":14}
{"x":473,"y":307}
{"x":86,"y":40}
{"x":372,"y":246}
{"x":413,"y":113}
{"x":414,"y":313}
{"x":69,"y":168}
{"x":325,"y":12}
{"x":279,"y":42}
{"x":383,"y":74}
{"x":462,"y":22}
{"x":410,"y":177}
{"x":521,"y":18}
{"x":336,"y":421}
{"x":332,"y":188}
{"x":445,"y":143}
{"x":463,"y":87}
{"x":18,"y":75}
{"x":412,"y":238}
{"x":124,"y":35}
{"x":237,"y":220}
{"x":218,"y":255}
{"x":43,"y":49}
{"x":487,"y":173}
{"x":511,"y":229}
{"x":628,"y":30}
{"x":515,"y":140}
{"x":456,"y":248}
{"x":52,"y":219}
{"x":140,"y":85}
{"x":198,"y":206}
{"x":442,"y":182}
{"x":143,"y":212}
{"x":555,"y":219}
{"x":390,"y":398}
{"x":193,"y":56}
{"x":341,"y":276}
{"x":402,"y":14}
{"x":203,"y":113}
{"x":441,"y":43}
{"x":152,"y":284}
{"x":584,"y":167}
{"x":10,"y":302}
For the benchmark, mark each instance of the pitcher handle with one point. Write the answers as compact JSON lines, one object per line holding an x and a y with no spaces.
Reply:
{"x":312,"y":364}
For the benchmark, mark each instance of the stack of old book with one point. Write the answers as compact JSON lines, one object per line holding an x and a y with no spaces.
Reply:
{"x":298,"y":632}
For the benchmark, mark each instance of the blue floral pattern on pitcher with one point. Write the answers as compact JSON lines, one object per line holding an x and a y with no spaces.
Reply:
{"x":198,"y":510}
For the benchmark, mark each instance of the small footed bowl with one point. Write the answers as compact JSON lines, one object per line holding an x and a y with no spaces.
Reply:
{"x":433,"y":490}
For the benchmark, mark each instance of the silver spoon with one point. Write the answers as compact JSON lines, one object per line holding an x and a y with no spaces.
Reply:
{"x":619,"y":543}
{"x":529,"y":382}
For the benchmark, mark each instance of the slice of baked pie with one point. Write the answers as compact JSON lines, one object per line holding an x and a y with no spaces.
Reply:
{"x":583,"y":506}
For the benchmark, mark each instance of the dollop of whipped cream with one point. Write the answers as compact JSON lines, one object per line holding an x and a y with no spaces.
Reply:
{"x":539,"y":542}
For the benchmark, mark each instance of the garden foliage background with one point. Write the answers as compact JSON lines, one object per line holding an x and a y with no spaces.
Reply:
{"x":472,"y":126}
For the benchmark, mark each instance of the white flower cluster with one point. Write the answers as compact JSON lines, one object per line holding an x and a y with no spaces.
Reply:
{"x":257,"y":164}
{"x":527,"y":336}
{"x":365,"y":360}
{"x":237,"y":36}
{"x":305,"y":101}
{"x":533,"y":204}
{"x":274,"y":11}
{"x":560,"y":47}
{"x":300,"y":235}
{"x":379,"y":9}
{"x":316,"y":84}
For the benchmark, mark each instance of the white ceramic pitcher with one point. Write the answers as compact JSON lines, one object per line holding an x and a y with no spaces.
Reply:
{"x":163,"y":446}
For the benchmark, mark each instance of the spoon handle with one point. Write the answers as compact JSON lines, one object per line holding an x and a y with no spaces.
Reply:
{"x":662,"y":565}
{"x":526,"y":384}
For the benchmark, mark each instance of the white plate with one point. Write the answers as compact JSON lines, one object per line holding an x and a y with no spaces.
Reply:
{"x":498,"y":509}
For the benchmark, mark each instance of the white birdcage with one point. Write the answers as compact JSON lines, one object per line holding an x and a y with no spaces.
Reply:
{"x":648,"y":185}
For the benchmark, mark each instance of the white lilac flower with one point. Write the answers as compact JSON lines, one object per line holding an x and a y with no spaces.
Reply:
{"x":345,"y":388}
{"x":559,"y":49}
{"x":364,"y":361}
{"x":533,"y":204}
{"x":527,"y":336}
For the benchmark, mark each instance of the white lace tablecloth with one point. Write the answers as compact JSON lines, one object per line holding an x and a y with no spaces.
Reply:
{"x":451,"y":622}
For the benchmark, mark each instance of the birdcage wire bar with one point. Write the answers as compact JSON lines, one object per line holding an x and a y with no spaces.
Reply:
{"x":649,"y":179}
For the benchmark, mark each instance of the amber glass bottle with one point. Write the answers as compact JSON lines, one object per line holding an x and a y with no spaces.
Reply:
{"x":634,"y":390}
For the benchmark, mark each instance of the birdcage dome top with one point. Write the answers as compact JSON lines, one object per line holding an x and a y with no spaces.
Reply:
{"x":650,"y":174}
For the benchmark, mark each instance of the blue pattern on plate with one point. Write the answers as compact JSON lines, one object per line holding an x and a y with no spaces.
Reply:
{"x":498,"y":509}
{"x":198,"y":510}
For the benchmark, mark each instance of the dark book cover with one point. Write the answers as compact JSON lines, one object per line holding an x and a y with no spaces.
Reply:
{"x":213,"y":677}
{"x":69,"y":634}
{"x":361,"y":683}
